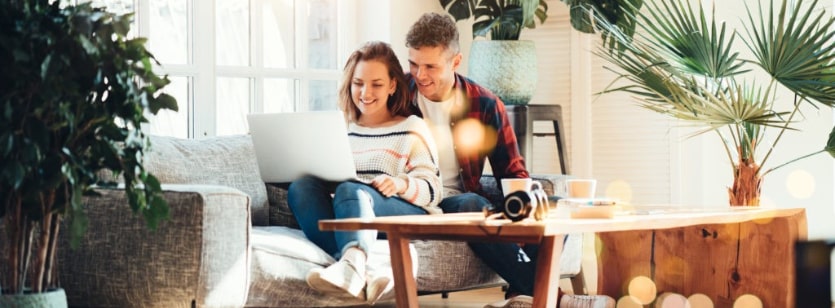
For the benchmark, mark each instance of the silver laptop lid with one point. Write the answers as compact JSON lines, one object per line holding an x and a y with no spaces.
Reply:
{"x":291,"y":145}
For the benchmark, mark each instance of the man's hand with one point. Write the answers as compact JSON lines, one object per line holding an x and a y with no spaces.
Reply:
{"x":388,"y":186}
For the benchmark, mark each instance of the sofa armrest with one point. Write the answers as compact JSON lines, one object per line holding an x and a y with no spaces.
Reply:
{"x":199,"y":256}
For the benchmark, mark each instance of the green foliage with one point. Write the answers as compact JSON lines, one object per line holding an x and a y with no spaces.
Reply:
{"x":502,"y":19}
{"x":682,"y":63}
{"x":620,"y":13}
{"x":74,"y":89}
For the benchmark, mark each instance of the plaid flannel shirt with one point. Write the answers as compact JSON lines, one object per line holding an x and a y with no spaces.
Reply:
{"x":487,"y":108}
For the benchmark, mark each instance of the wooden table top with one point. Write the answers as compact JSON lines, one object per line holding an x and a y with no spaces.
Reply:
{"x":632,"y":218}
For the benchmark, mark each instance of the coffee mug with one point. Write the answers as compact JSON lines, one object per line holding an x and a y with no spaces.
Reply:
{"x":510,"y":185}
{"x":523,"y":198}
{"x":580,"y":188}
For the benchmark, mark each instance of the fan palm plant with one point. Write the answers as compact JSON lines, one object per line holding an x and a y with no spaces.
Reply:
{"x":683,"y":64}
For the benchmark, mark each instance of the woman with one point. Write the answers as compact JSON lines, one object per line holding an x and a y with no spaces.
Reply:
{"x":397,"y":169}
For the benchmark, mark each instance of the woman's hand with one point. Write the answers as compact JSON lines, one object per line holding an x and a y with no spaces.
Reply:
{"x":388,"y":186}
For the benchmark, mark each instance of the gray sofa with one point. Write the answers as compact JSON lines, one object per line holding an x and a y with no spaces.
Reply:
{"x":231,"y":241}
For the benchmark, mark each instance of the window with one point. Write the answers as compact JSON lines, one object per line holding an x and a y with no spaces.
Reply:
{"x":229,"y":58}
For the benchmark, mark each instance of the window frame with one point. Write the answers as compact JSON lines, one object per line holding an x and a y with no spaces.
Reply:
{"x":202,"y":71}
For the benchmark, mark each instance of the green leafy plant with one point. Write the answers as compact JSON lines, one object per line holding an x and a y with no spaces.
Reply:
{"x":620,"y":13}
{"x":683,"y":64}
{"x":74,"y":90}
{"x":501,"y":19}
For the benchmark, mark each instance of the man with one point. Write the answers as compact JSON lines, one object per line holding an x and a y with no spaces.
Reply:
{"x":470,"y":124}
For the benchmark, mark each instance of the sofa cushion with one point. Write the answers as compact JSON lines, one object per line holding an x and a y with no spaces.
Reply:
{"x":280,"y":213}
{"x":227,"y":161}
{"x":449,"y":266}
{"x":281,"y":259}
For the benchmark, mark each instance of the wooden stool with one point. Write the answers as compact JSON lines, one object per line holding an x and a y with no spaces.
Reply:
{"x":522,"y":118}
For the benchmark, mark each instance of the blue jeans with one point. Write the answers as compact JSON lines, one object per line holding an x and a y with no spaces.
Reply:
{"x":310,"y":200}
{"x":515,"y":264}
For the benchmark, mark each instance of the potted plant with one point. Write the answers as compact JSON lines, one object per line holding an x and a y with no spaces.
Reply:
{"x":620,"y":13}
{"x":504,"y":64}
{"x":74,"y":91}
{"x":683,"y":64}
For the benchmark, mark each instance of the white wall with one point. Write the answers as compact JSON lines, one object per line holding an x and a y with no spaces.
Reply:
{"x":389,"y":21}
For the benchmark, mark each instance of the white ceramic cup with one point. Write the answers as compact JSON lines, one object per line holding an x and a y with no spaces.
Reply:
{"x":515,"y":184}
{"x":580,"y":188}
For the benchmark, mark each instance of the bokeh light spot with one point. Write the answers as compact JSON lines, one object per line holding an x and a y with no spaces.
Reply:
{"x":469,"y":134}
{"x":643,"y":289}
{"x":629,"y":302}
{"x":672,"y":300}
{"x":619,"y":190}
{"x":748,"y":301}
{"x":800,"y":184}
{"x":699,"y":300}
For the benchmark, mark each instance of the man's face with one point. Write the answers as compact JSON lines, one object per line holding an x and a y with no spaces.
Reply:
{"x":434,"y":71}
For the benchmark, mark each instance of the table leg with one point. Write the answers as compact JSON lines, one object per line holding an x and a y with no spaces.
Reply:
{"x":405,"y":287}
{"x":547,"y":280}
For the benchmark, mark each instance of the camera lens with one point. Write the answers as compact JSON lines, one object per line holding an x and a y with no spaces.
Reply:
{"x":517,"y":206}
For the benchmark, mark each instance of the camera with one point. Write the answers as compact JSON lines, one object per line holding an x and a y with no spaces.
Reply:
{"x":521,"y":204}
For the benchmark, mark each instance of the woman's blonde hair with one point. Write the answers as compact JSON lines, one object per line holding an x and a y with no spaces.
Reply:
{"x":398,"y":103}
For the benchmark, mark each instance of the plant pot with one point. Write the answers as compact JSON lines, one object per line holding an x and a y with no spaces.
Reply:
{"x":55,"y":298}
{"x":508,"y":68}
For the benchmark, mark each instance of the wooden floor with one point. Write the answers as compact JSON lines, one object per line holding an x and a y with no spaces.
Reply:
{"x":464,"y":299}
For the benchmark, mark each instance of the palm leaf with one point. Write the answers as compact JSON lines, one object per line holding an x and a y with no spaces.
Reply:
{"x":694,"y":44}
{"x":800,"y":53}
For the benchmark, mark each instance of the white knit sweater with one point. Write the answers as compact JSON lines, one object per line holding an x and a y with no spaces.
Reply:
{"x":405,"y":151}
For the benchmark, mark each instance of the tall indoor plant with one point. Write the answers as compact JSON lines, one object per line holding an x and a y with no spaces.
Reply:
{"x":683,"y":64}
{"x":620,"y":13}
{"x":504,"y":64}
{"x":74,"y":90}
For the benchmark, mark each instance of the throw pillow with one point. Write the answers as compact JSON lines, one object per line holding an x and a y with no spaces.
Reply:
{"x":227,"y":161}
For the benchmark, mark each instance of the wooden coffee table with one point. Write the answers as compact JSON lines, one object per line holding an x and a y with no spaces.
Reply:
{"x":631,"y":246}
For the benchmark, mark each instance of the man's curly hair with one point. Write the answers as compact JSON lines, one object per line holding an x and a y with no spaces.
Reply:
{"x":431,"y":30}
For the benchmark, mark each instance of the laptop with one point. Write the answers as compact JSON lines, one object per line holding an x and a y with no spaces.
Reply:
{"x":291,"y":145}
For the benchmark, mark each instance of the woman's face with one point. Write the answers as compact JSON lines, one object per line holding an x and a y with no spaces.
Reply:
{"x":371,"y":87}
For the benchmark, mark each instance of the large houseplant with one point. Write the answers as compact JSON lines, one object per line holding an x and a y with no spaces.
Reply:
{"x":682,"y":63}
{"x":503,"y":64}
{"x":74,"y":90}
{"x":620,"y":13}
{"x":500,"y":19}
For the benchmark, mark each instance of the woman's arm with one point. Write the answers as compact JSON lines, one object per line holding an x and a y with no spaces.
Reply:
{"x":422,"y":175}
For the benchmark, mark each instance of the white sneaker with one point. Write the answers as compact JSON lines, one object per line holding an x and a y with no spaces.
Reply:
{"x":586,"y":301}
{"x":339,"y":279}
{"x":376,"y":287}
{"x":519,"y":301}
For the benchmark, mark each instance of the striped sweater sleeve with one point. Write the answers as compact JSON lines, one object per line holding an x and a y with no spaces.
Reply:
{"x":421,"y":174}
